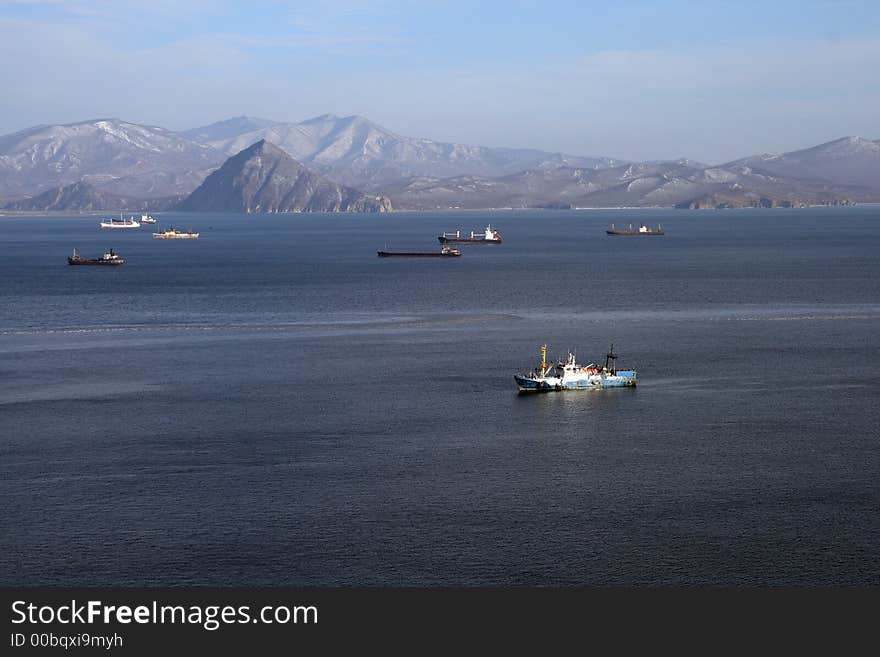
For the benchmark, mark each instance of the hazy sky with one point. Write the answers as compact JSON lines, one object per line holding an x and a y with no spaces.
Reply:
{"x":712,"y":81}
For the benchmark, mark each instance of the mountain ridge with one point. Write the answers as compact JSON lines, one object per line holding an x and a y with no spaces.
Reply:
{"x":264,"y":179}
{"x":85,"y":197}
{"x":44,"y":157}
{"x":847,"y":160}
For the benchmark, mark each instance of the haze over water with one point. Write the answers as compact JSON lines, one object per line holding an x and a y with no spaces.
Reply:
{"x":273,"y":404}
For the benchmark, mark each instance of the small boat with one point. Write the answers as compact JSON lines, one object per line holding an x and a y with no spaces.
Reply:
{"x":489,"y":236}
{"x":110,"y":258}
{"x":569,"y":375}
{"x":147,"y":219}
{"x":642,"y":230}
{"x":120,"y":223}
{"x":174,"y":234}
{"x":445,"y":252}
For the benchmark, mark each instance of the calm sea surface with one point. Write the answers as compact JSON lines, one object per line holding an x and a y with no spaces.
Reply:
{"x":272,"y":404}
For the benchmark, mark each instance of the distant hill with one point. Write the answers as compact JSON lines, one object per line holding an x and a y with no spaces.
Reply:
{"x":227,"y":129}
{"x":847,"y":161}
{"x":664,"y":184}
{"x":83,"y":197}
{"x":354,"y":151}
{"x":154,"y":160}
{"x":263,"y":178}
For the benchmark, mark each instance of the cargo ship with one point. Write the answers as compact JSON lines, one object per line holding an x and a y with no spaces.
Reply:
{"x":445,"y":252}
{"x":109,"y":258}
{"x":120,"y":223}
{"x":490,"y":236}
{"x":569,"y":375}
{"x":174,"y":234}
{"x":642,"y":230}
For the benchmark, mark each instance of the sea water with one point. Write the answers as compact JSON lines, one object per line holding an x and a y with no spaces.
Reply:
{"x":273,"y":404}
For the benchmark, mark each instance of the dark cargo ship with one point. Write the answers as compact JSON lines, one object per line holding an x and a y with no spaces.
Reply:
{"x":108,"y":259}
{"x":488,"y":237}
{"x":642,"y":230}
{"x":445,"y":252}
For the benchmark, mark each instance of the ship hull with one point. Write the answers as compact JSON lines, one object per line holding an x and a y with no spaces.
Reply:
{"x":392,"y":254}
{"x":466,"y":240}
{"x":100,"y":263}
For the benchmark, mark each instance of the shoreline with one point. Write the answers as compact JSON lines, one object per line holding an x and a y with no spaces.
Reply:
{"x":98,"y":213}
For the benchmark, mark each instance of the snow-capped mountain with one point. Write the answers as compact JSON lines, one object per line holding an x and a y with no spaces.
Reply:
{"x":355,"y":151}
{"x":157,"y":162}
{"x":122,"y":160}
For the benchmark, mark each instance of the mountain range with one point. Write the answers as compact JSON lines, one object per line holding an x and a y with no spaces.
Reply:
{"x":104,"y":163}
{"x":355,"y":151}
{"x":679,"y":183}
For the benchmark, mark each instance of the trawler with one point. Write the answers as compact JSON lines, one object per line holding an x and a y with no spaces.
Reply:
{"x":490,"y":236}
{"x":569,"y":375}
{"x":174,"y":234}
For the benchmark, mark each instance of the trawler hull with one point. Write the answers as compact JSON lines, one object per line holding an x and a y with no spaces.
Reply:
{"x":525,"y":384}
{"x":627,"y":379}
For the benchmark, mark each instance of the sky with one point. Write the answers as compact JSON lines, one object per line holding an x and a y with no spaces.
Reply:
{"x":712,"y":81}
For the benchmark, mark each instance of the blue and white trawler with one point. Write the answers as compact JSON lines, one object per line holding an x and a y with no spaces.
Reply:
{"x":571,"y":376}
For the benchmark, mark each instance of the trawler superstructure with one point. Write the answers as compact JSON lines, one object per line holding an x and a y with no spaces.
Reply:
{"x":569,"y":375}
